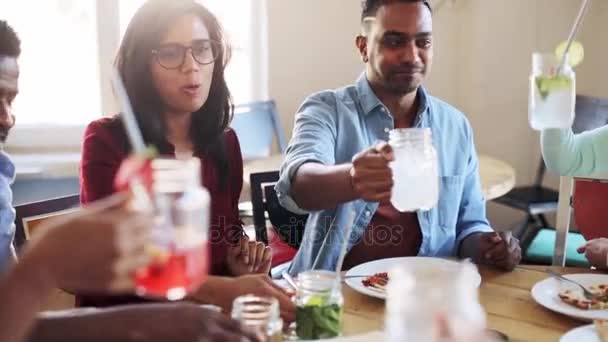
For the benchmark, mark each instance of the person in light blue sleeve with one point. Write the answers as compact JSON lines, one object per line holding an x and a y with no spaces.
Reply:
{"x":333,"y":157}
{"x":569,"y":154}
{"x":583,"y":155}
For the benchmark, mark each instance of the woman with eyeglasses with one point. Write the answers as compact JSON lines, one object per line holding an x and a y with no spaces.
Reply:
{"x":172,"y":60}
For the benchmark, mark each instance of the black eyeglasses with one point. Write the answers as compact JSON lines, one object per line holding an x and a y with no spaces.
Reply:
{"x":172,"y":56}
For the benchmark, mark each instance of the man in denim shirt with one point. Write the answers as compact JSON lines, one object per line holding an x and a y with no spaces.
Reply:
{"x":9,"y":74}
{"x":331,"y":168}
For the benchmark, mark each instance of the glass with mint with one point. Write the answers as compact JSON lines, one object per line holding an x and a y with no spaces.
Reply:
{"x":319,"y":305}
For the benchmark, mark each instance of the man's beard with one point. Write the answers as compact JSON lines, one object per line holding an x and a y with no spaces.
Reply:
{"x":3,"y":136}
{"x":398,"y":82}
{"x":402,"y":88}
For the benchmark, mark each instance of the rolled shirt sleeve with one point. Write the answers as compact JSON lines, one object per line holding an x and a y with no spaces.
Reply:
{"x":313,"y":140}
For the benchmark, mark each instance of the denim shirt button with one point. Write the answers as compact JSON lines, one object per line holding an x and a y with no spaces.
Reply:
{"x":368,"y":213}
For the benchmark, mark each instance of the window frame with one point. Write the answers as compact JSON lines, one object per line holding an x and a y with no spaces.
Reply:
{"x":48,"y":138}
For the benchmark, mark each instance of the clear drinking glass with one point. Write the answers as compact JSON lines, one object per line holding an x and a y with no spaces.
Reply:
{"x":319,"y":305}
{"x":416,"y":297}
{"x":415,"y":174}
{"x":552,"y":97}
{"x":260,"y":314}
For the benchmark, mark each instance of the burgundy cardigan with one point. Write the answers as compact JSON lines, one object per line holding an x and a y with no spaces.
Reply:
{"x":104,"y":148}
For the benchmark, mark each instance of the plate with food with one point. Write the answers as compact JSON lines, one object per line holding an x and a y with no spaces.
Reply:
{"x":596,"y":332}
{"x":566,"y":298}
{"x":372,"y":277}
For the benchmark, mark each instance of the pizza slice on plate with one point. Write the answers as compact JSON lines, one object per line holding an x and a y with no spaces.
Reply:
{"x":576,"y":298}
{"x":378,"y":281}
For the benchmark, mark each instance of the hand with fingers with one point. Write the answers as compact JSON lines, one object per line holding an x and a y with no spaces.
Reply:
{"x":96,"y":249}
{"x":371,"y":176}
{"x":596,"y":251}
{"x":222,"y":291}
{"x":499,"y":249}
{"x":249,"y":257}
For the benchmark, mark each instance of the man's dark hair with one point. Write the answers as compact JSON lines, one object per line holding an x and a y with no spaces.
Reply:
{"x":370,"y":7}
{"x":10,"y":45}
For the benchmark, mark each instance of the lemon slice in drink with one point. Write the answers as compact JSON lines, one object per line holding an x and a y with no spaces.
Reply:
{"x":546,"y":85}
{"x":576,"y":53}
{"x":315,"y":301}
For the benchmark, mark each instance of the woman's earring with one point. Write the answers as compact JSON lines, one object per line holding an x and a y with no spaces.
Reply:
{"x":365,"y":59}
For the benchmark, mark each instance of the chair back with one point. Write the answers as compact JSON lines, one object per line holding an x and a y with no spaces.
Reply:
{"x":591,"y":113}
{"x":590,"y":195}
{"x":257,"y":125}
{"x":265,"y":203}
{"x":289,"y":225}
{"x":589,"y":203}
{"x":30,"y":216}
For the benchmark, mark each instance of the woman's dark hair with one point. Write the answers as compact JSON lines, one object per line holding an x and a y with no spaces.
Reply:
{"x":143,"y":35}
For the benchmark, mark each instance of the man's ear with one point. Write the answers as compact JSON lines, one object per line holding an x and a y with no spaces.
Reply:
{"x":361,"y":42}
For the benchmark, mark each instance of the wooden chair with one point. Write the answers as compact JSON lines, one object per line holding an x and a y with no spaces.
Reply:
{"x":286,"y":229}
{"x":584,"y":197}
{"x":30,"y":217}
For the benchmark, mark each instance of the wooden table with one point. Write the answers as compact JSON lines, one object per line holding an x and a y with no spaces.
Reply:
{"x":505,"y":297}
{"x":497,"y":177}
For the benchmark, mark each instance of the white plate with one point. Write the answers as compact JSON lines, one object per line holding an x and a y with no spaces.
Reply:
{"x":384,"y":265}
{"x":545,"y":293}
{"x":586,"y":333}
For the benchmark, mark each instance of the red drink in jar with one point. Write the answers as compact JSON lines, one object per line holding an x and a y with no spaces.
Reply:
{"x":178,"y":273}
{"x":178,"y":246}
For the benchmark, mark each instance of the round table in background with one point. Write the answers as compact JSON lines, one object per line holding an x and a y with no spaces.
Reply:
{"x":497,"y":177}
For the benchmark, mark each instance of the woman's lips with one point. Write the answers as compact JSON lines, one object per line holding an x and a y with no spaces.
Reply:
{"x":192,"y":89}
